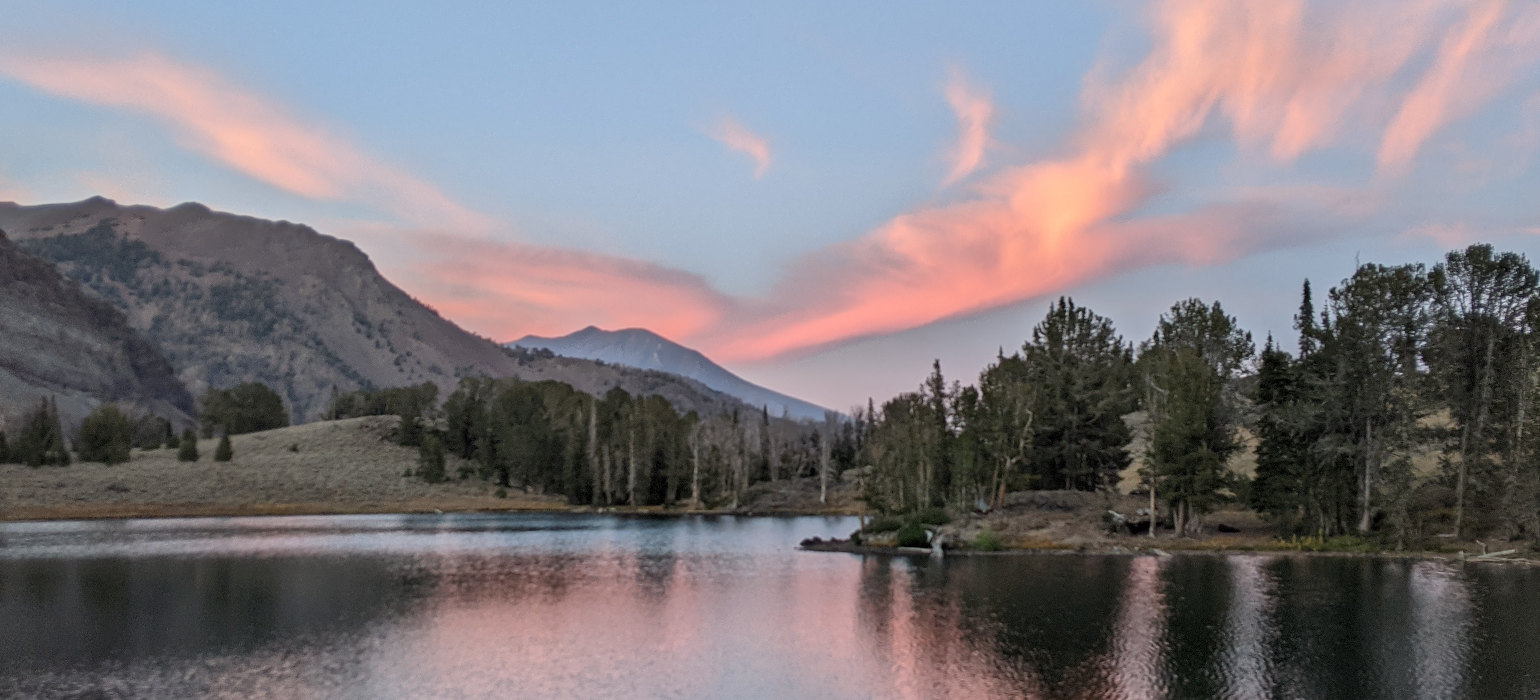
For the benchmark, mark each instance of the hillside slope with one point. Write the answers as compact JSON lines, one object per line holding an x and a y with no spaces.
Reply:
{"x":231,"y":298}
{"x":643,"y":349}
{"x":56,"y":340}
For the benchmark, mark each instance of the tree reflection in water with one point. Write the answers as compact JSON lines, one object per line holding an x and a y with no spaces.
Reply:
{"x":546,"y":606}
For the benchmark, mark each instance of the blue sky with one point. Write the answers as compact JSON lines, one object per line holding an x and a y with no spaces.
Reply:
{"x":541,"y":167}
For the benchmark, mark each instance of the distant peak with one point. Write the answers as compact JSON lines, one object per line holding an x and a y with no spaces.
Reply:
{"x":195,"y":207}
{"x":98,"y":200}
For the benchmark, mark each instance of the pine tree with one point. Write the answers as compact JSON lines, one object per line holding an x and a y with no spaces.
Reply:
{"x":224,"y":452}
{"x":41,"y":440}
{"x":188,"y":452}
{"x":1195,"y":352}
{"x":430,"y":460}
{"x":409,"y":434}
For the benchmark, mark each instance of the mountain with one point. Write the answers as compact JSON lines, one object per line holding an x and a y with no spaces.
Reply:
{"x":232,"y":298}
{"x":56,"y":340}
{"x":229,"y":299}
{"x":641,"y":348}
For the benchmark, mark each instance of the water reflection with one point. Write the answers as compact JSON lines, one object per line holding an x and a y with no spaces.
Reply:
{"x":1245,"y":660}
{"x":564,"y":606}
{"x":1136,"y":652}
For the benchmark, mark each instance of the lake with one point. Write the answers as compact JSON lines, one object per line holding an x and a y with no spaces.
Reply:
{"x":575,"y":605}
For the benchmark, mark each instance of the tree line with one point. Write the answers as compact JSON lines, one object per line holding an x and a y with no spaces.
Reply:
{"x":109,"y":432}
{"x":1405,"y":411}
{"x":615,"y":449}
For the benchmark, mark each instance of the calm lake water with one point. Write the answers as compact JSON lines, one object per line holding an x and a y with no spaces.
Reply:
{"x":545,"y":606}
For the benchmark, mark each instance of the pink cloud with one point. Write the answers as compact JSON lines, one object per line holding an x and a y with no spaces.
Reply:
{"x":975,"y":112}
{"x":734,"y":135}
{"x":508,"y":289}
{"x":241,"y":130}
{"x":1280,"y":77}
{"x":1473,"y":63}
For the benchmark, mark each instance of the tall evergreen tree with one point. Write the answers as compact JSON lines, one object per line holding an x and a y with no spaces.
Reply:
{"x":1080,"y":370}
{"x":40,"y":442}
{"x":430,"y":460}
{"x":1196,"y":351}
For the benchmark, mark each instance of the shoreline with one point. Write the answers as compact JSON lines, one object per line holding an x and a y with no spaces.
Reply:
{"x":138,"y":511}
{"x":1169,"y":548}
{"x":1111,"y":547}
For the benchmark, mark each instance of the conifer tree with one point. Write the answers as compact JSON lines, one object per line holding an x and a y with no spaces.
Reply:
{"x":188,"y":452}
{"x":41,"y":440}
{"x":430,"y":460}
{"x":224,"y":452}
{"x":1195,"y":352}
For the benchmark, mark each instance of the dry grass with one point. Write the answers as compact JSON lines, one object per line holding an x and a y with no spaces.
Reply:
{"x":346,"y":466}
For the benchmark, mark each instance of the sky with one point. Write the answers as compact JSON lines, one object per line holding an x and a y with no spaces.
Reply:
{"x":823,"y":197}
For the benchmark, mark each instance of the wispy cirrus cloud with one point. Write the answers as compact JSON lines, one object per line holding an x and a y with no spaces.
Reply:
{"x":1281,"y":78}
{"x":1475,"y":61}
{"x":733,"y":134}
{"x":975,"y":113}
{"x":241,"y":130}
{"x":518,"y":288}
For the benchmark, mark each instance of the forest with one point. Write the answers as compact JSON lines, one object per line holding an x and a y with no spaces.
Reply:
{"x":1403,"y":412}
{"x":618,"y":449}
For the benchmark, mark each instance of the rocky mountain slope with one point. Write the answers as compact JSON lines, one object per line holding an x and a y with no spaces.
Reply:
{"x":641,"y":348}
{"x":232,"y":298}
{"x":57,"y":340}
{"x":228,"y":299}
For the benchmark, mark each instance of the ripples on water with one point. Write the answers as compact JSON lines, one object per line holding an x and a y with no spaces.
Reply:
{"x":597,"y":606}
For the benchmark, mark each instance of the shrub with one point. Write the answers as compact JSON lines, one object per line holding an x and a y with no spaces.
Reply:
{"x":5,"y":450}
{"x":224,"y":452}
{"x":988,"y":541}
{"x":106,"y":436}
{"x":932,"y":516}
{"x":884,"y":524}
{"x":188,"y":452}
{"x":911,"y":535}
{"x":500,"y":493}
{"x":150,"y":432}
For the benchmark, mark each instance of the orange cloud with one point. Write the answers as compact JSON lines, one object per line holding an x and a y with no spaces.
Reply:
{"x":243,"y":131}
{"x":513,"y":288}
{"x":975,"y":113}
{"x":1280,"y":77}
{"x":734,"y":135}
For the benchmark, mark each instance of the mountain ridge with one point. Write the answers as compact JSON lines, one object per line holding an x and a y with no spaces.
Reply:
{"x":645,"y":349}
{"x":230,"y":298}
